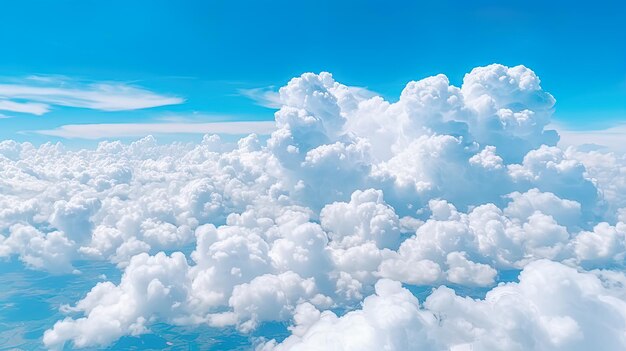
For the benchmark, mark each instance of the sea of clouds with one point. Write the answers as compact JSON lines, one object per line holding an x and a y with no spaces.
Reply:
{"x":331,"y":223}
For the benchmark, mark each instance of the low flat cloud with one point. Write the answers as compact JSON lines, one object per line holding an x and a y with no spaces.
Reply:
{"x":120,"y":130}
{"x":611,"y":138}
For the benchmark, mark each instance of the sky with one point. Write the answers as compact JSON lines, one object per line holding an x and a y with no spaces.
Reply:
{"x":212,"y":61}
{"x":329,"y":175}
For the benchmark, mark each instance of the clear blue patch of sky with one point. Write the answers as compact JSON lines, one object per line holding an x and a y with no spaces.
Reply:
{"x":205,"y":51}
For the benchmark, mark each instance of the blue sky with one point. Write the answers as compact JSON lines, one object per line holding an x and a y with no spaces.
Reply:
{"x":192,"y":60}
{"x":264,"y":240}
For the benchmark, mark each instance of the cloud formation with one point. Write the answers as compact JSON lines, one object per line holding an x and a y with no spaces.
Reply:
{"x":37,"y":95}
{"x":352,"y":203}
{"x":553,"y":307}
{"x":125,"y":130}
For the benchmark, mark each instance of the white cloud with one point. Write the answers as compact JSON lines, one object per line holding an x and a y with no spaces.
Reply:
{"x":151,"y":286}
{"x":42,"y":251}
{"x":366,"y":218}
{"x":272,"y":298}
{"x":465,"y":272}
{"x":553,"y":307}
{"x":604,"y":245}
{"x":125,"y":130}
{"x":33,"y":108}
{"x":35,"y":95}
{"x":350,"y":197}
{"x":524,"y":205}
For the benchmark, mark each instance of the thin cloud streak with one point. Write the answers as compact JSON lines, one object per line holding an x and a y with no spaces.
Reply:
{"x":35,"y":95}
{"x":122,"y":130}
{"x":33,"y":108}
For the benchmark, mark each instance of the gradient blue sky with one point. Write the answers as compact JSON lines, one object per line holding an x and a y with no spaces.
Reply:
{"x":206,"y":52}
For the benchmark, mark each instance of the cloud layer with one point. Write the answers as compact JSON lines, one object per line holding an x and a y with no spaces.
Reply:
{"x":352,"y":203}
{"x":125,"y":130}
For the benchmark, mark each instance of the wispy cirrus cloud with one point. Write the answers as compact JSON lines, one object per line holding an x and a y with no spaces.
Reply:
{"x":37,"y":94}
{"x":123,"y":130}
{"x":34,"y":108}
{"x":266,"y":97}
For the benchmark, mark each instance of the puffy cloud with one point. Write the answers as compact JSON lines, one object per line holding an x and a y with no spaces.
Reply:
{"x":390,"y":320}
{"x":44,"y":251}
{"x":24,"y":107}
{"x":608,"y":172}
{"x":605,"y":245}
{"x":226,"y":257}
{"x":543,"y":237}
{"x":411,"y":270}
{"x":73,"y":217}
{"x":350,"y":197}
{"x":465,"y":272}
{"x":487,"y":158}
{"x":524,"y":205}
{"x":511,"y":110}
{"x":272,"y":298}
{"x":365,"y":218}
{"x":151,"y":287}
{"x":549,"y":169}
{"x":553,"y":307}
{"x":418,"y":168}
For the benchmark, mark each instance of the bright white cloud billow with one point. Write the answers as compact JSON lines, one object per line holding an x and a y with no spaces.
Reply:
{"x":514,"y":316}
{"x":351,"y":204}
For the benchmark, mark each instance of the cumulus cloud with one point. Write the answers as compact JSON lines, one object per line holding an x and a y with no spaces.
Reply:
{"x":43,"y":251}
{"x":524,"y":205}
{"x":365,"y":218}
{"x":151,"y":286}
{"x":553,"y":307}
{"x":353,"y":203}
